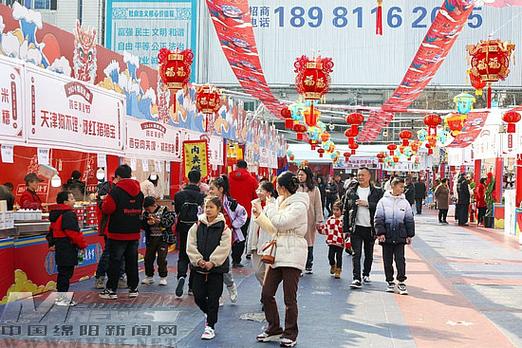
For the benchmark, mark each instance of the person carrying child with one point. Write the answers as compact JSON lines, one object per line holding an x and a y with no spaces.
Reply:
{"x":157,"y":224}
{"x":395,"y":227}
{"x":333,"y":229}
{"x":208,"y":247}
{"x":66,"y":239}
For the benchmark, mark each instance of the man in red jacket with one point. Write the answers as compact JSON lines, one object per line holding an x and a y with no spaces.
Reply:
{"x":123,"y":205}
{"x":243,"y":188}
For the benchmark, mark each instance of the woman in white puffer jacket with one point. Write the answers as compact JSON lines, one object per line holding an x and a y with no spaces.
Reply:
{"x":288,"y":224}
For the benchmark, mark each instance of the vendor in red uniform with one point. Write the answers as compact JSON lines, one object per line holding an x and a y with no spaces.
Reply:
{"x":30,"y":199}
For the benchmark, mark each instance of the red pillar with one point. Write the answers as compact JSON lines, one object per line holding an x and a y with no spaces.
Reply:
{"x":442,"y":169}
{"x":518,"y":179}
{"x":478,"y":167}
{"x":499,"y":177}
{"x":175,"y":178}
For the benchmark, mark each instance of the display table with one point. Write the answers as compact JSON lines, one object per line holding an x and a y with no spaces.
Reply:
{"x":27,"y":265}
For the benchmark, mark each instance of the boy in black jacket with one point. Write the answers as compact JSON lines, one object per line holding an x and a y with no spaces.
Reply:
{"x":65,"y":238}
{"x":157,"y":223}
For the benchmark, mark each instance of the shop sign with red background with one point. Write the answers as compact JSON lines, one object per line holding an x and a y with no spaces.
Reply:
{"x":11,"y":124}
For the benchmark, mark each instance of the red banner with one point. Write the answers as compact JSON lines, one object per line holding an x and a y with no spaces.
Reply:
{"x":472,"y":127}
{"x":233,"y":25}
{"x":436,"y":45}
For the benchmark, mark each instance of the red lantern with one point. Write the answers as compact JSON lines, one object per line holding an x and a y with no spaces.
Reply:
{"x":325,"y":136}
{"x":396,"y":159}
{"x":313,"y":145}
{"x":321,"y":152}
{"x":490,"y":61}
{"x":430,"y":149}
{"x":432,"y":121}
{"x":511,"y":118}
{"x":347,"y":156}
{"x":300,"y":129}
{"x":353,"y":147}
{"x":414,"y":147}
{"x":313,"y":76}
{"x":208,"y":100}
{"x":405,"y":135}
{"x":174,"y":67}
{"x":392,"y":148}
{"x":287,"y":115}
{"x":311,"y":116}
{"x":381,"y":156}
{"x":476,"y":83}
{"x":355,"y":120}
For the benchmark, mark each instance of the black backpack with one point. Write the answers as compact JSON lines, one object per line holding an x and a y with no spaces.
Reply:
{"x":188,"y":213}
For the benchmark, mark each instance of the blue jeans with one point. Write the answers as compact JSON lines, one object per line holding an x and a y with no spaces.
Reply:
{"x":103,"y":264}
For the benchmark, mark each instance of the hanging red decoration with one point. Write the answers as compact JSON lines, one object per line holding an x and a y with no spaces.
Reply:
{"x":392,"y":148}
{"x":490,"y":61}
{"x":432,"y":121}
{"x":313,"y":145}
{"x":174,"y":67}
{"x":300,"y":129}
{"x":350,"y":134}
{"x":355,"y":120}
{"x":313,"y":76}
{"x":405,"y":135}
{"x":325,"y":136}
{"x":208,"y":99}
{"x":455,"y":123}
{"x":287,"y":115}
{"x":511,"y":118}
{"x":414,"y":147}
{"x":430,"y":149}
{"x":476,"y":83}
{"x":381,"y":156}
{"x":321,"y":152}
{"x":378,"y":26}
{"x":396,"y":159}
{"x":311,"y":116}
{"x":353,"y":147}
{"x":347,"y":156}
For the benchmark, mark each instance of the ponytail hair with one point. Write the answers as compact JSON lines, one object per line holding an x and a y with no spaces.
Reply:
{"x":222,"y":182}
{"x":289,"y":181}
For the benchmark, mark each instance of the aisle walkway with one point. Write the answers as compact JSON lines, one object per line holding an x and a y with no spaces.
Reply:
{"x":464,"y":289}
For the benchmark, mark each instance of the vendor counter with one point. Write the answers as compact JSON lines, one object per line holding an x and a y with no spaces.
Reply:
{"x":27,"y":265}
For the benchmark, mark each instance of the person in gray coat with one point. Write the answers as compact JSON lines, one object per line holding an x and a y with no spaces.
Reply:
{"x":395,"y":227}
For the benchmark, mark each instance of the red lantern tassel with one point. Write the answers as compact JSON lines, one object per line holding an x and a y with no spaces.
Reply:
{"x":489,"y":95}
{"x":379,"y":18}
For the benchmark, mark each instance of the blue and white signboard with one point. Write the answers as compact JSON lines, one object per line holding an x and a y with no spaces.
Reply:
{"x":143,"y":27}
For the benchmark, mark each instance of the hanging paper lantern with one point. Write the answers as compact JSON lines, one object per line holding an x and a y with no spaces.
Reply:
{"x":396,"y":159}
{"x":432,"y":121}
{"x":300,"y":129}
{"x":405,"y":135}
{"x":381,"y":156}
{"x":490,"y":61}
{"x":392,"y":148}
{"x":347,"y":156}
{"x":476,"y":83}
{"x":353,"y":147}
{"x":455,"y":123}
{"x":313,"y":144}
{"x":311,"y":116}
{"x":287,"y":115}
{"x":325,"y":136}
{"x":350,"y":134}
{"x":464,"y":103}
{"x":511,"y":118}
{"x":313,"y":76}
{"x":355,"y":120}
{"x":320,"y":152}
{"x":174,"y":67}
{"x":414,"y":147}
{"x":208,"y":100}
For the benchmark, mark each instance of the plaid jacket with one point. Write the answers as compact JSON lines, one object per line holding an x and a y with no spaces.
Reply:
{"x":333,"y":229}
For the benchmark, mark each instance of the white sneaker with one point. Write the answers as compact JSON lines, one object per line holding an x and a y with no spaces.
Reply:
{"x":64,"y":302}
{"x":163,"y":281}
{"x":221,"y":301}
{"x":402,"y":289}
{"x":208,"y":334}
{"x":232,"y":291}
{"x":147,"y":281}
{"x":366,"y":279}
{"x":390,"y":287}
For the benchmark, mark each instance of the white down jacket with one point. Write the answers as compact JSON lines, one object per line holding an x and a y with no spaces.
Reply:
{"x":288,"y":223}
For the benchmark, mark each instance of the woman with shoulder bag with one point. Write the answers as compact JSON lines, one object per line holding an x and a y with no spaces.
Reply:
{"x":288,"y":225}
